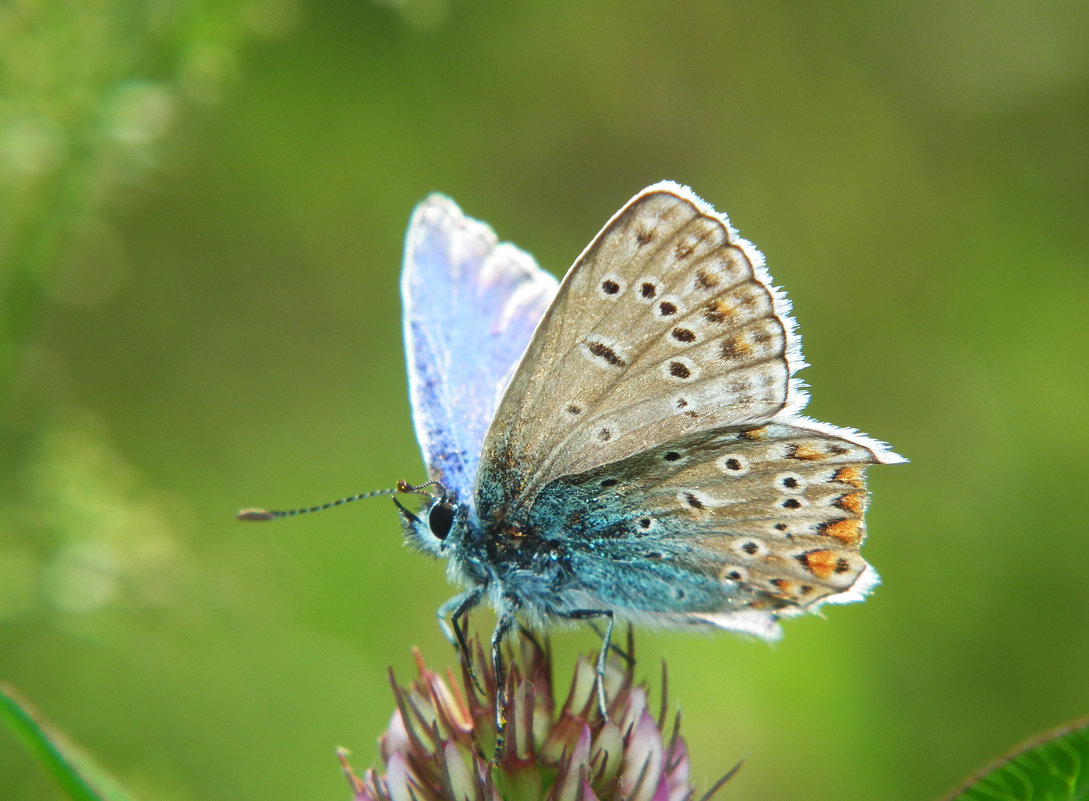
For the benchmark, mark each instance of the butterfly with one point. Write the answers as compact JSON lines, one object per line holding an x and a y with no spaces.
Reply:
{"x":626,"y":444}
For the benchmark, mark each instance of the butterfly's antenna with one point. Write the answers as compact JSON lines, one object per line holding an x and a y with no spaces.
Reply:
{"x":406,"y":488}
{"x":260,"y":515}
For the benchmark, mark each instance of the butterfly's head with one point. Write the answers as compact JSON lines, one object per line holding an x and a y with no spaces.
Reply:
{"x":434,"y":529}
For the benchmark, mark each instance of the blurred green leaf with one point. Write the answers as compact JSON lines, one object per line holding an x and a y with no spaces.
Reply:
{"x":1054,"y":767}
{"x":79,"y":777}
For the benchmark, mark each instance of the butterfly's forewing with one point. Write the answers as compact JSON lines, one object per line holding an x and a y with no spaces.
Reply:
{"x":667,"y":325}
{"x":470,"y":306}
{"x":731,"y":528}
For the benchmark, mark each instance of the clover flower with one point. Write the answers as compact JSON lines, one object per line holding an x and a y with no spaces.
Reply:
{"x":441,"y":741}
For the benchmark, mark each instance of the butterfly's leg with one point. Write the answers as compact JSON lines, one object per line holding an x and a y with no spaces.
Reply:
{"x":506,"y":622}
{"x":606,"y":642}
{"x":450,"y":615}
{"x":628,"y":656}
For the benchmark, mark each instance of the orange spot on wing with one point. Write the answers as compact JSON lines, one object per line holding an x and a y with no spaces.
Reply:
{"x":853,"y":502}
{"x":786,"y":589}
{"x":725,"y":308}
{"x":847,"y":531}
{"x":850,"y":475}
{"x":755,"y":433}
{"x":821,"y":564}
{"x":807,"y":453}
{"x":735,"y":347}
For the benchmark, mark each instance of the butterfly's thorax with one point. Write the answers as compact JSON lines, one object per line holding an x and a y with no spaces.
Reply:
{"x":514,"y":564}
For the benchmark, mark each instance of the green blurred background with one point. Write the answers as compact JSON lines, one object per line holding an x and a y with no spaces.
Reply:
{"x":203,"y":206}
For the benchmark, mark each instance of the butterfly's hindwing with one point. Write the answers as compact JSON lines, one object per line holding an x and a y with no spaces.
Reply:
{"x":720,"y":525}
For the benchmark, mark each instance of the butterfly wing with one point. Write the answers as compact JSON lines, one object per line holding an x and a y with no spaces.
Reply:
{"x":729,"y":528}
{"x":652,"y":428}
{"x":667,"y":325}
{"x":470,"y":306}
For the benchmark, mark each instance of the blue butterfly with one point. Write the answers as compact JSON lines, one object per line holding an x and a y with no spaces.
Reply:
{"x":627,"y":444}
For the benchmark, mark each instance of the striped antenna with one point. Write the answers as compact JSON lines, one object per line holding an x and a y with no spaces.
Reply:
{"x":260,"y":515}
{"x":406,"y":488}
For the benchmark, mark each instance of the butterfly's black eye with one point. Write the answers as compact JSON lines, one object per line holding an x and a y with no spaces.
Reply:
{"x":440,"y":519}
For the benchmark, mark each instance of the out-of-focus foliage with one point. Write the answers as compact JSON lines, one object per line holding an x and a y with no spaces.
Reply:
{"x":79,"y":777}
{"x":91,"y":96}
{"x":201,"y":212}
